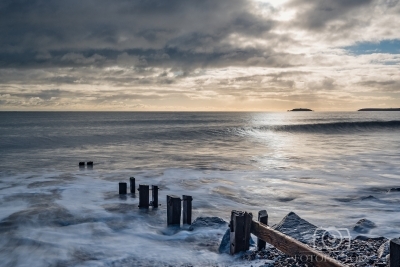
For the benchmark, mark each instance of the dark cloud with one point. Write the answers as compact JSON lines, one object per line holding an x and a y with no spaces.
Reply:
{"x":41,"y":94}
{"x":317,"y":14}
{"x":97,"y":32}
{"x":386,"y":86}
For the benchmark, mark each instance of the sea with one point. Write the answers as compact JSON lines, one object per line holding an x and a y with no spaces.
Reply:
{"x":331,"y":169}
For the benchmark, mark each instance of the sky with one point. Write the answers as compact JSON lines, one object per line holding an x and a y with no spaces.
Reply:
{"x":199,"y":55}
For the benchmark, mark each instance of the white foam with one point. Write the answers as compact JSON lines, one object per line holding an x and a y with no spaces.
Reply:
{"x":110,"y":236}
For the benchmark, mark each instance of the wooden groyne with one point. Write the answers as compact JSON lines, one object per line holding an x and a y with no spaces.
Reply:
{"x":242,"y":225}
{"x":175,"y":212}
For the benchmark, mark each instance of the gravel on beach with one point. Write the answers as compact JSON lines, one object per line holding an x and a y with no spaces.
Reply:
{"x":358,"y":252}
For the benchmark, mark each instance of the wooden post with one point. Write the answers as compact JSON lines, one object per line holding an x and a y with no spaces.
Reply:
{"x":262,"y":218}
{"x":122,"y":188}
{"x":187,"y":209}
{"x":173,"y":210}
{"x":132,"y":185}
{"x":292,"y":247}
{"x":395,"y":252}
{"x":154,"y":194}
{"x":143,"y":196}
{"x":240,"y":231}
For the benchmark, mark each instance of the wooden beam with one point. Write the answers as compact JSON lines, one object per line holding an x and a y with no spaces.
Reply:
{"x":154,"y":194}
{"x":132,"y":185}
{"x":262,"y":218}
{"x":122,"y":188}
{"x":187,"y":209}
{"x":292,"y":247}
{"x":144,"y":196}
{"x":395,"y":252}
{"x":240,"y":231}
{"x":174,"y":206}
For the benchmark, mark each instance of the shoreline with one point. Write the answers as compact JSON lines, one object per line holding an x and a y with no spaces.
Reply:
{"x":359,"y":251}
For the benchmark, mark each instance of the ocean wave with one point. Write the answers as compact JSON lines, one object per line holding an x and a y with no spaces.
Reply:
{"x":337,"y":127}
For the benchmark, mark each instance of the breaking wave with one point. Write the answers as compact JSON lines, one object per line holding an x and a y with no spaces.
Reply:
{"x":338,"y":127}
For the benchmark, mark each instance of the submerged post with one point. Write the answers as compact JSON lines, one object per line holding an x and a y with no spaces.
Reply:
{"x":132,"y":185}
{"x":143,"y":196}
{"x":122,"y":188}
{"x":173,"y":210}
{"x":187,"y":209}
{"x":395,"y":252}
{"x":262,"y":218}
{"x":154,"y":194}
{"x":240,"y":227}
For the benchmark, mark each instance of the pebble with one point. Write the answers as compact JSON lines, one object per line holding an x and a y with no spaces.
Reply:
{"x":353,"y":253}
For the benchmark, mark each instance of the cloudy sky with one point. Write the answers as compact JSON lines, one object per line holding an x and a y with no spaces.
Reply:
{"x":178,"y":55}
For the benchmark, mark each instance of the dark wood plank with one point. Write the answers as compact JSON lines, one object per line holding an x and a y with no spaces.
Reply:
{"x":122,"y":188}
{"x":395,"y":252}
{"x":132,"y":181}
{"x":262,"y":218}
{"x":187,"y":209}
{"x":174,"y":206}
{"x":154,"y":194}
{"x":144,"y":196}
{"x":240,"y":227}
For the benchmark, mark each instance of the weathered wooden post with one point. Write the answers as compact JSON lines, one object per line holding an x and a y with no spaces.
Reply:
{"x":173,"y":210}
{"x":187,"y":209}
{"x":82,"y":164}
{"x":143,"y":196}
{"x":132,"y":185}
{"x":395,"y":252}
{"x":154,"y":194}
{"x":262,"y":218}
{"x":122,"y":188}
{"x":240,"y":227}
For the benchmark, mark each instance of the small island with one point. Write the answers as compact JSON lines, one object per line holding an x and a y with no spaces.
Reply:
{"x":301,"y":109}
{"x":379,"y":109}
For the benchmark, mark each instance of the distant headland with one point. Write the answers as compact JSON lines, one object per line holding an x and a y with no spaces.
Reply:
{"x":379,"y":109}
{"x":301,"y":109}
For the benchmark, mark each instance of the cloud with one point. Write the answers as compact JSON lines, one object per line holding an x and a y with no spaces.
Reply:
{"x":79,"y":59}
{"x":87,"y":33}
{"x":226,"y":54}
{"x":317,"y":14}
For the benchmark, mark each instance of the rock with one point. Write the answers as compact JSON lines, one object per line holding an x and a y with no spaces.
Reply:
{"x":296,"y":227}
{"x":365,"y":238}
{"x":225,"y":244}
{"x":384,"y":249}
{"x":224,"y":247}
{"x":213,"y":222}
{"x":364,"y":226}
